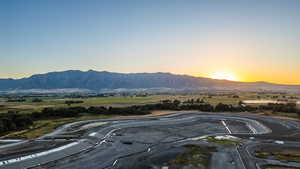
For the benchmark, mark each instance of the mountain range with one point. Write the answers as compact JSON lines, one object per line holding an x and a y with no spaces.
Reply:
{"x":104,"y":81}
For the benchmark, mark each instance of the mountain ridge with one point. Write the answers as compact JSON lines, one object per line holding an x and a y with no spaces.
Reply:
{"x":99,"y":80}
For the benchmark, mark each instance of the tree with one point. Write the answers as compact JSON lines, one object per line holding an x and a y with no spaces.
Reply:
{"x":176,"y":102}
{"x":223,"y":107}
{"x":37,"y":100}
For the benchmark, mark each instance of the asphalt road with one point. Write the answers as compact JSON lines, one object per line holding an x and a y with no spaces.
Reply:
{"x":148,"y":142}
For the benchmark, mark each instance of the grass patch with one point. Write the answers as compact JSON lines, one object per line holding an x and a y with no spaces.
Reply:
{"x":224,"y":142}
{"x":288,"y":156}
{"x":195,"y":156}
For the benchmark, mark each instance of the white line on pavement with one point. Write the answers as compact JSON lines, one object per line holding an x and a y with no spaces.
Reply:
{"x":37,"y":154}
{"x":115,"y":162}
{"x":240,"y":158}
{"x":224,"y":124}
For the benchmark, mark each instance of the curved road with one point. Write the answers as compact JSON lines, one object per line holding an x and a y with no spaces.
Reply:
{"x":122,"y":143}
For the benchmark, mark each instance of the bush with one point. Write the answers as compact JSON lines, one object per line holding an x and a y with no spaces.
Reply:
{"x":58,"y":113}
{"x":279,"y":107}
{"x":16,"y":100}
{"x":69,"y":102}
{"x":12,"y":121}
{"x":224,"y":107}
{"x":37,"y":100}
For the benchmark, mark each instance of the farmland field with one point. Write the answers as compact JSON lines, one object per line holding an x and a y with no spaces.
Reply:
{"x":123,"y":101}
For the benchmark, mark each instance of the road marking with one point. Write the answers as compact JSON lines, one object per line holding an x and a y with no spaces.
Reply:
{"x":18,"y":159}
{"x":101,"y":142}
{"x":257,"y":166}
{"x":106,"y":136}
{"x":10,"y":140}
{"x":109,"y":133}
{"x":115,"y":162}
{"x":224,"y":124}
{"x":279,"y":142}
{"x":92,"y":134}
{"x":240,"y":158}
{"x":252,"y":129}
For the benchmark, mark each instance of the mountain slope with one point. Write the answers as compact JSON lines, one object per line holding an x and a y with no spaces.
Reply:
{"x":94,"y":80}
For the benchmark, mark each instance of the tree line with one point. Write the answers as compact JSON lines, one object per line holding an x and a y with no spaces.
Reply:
{"x":13,"y":121}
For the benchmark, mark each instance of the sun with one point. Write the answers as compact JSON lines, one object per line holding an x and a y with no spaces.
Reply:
{"x":224,"y":76}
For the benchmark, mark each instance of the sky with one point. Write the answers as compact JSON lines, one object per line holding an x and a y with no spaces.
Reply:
{"x":252,"y":40}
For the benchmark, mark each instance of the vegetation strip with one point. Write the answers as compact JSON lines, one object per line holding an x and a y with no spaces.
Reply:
{"x":14,"y":121}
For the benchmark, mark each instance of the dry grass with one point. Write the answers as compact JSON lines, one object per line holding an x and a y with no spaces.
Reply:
{"x":284,"y":156}
{"x":279,"y":167}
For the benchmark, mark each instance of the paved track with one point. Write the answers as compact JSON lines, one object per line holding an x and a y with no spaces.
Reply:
{"x":122,"y":143}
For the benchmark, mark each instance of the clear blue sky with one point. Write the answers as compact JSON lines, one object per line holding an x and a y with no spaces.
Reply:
{"x":253,"y":39}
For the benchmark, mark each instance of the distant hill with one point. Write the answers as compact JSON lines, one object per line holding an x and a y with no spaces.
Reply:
{"x":99,"y":81}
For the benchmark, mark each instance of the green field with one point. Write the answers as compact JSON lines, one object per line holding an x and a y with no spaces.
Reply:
{"x":123,"y":101}
{"x":117,"y":101}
